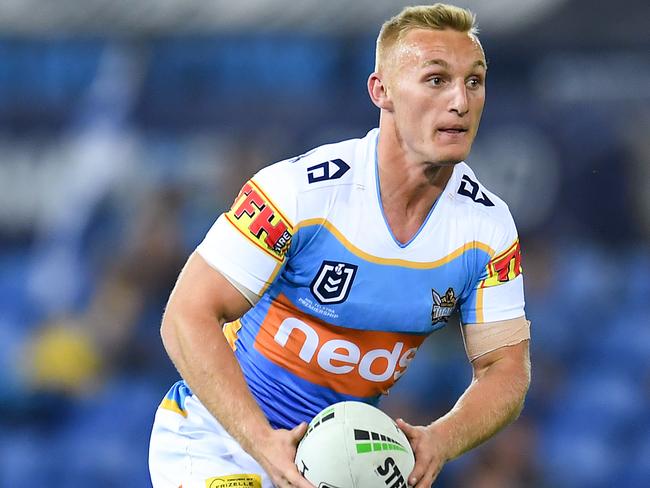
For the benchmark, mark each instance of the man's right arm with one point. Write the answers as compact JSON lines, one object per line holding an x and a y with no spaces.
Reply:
{"x":201,"y":302}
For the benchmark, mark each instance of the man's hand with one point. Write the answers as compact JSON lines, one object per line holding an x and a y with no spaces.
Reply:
{"x":276,"y":454}
{"x":429,"y":458}
{"x":493,"y":399}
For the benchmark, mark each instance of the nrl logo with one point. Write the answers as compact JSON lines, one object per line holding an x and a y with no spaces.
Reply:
{"x":443,"y":306}
{"x":333,"y":281}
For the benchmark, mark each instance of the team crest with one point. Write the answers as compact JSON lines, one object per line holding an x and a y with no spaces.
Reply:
{"x":443,"y":306}
{"x":333,"y":282}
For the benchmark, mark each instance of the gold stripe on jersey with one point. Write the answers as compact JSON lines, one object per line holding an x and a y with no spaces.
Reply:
{"x":230,"y":330}
{"x":271,"y":279}
{"x":170,"y":404}
{"x":394,"y":261}
{"x":479,"y":306}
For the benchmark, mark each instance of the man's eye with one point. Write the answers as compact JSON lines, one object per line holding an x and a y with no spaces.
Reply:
{"x":436,"y":80}
{"x":473,"y":83}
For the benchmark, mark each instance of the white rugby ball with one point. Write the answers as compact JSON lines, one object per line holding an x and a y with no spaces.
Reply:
{"x":354,"y":445}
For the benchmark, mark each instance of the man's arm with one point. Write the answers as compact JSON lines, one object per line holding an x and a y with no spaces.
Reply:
{"x":201,"y":302}
{"x":494,"y":398}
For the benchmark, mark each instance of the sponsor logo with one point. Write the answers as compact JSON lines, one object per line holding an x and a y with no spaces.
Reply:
{"x":333,"y":282}
{"x":329,"y":170}
{"x":235,"y":481}
{"x":372,"y":442}
{"x":469,"y":188}
{"x":504,"y":267}
{"x":443,"y":306}
{"x":391,"y":474}
{"x":355,"y":362}
{"x":260,"y":221}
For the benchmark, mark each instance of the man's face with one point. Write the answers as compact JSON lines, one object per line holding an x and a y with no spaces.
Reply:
{"x":436,"y":87}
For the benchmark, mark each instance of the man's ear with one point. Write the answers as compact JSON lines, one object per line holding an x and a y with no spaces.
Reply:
{"x":379,"y":92}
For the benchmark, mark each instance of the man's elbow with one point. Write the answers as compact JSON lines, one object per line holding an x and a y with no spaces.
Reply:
{"x":169,"y":333}
{"x":526,"y":373}
{"x":521,"y":385}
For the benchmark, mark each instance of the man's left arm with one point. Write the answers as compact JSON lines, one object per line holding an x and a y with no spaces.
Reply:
{"x":494,"y":398}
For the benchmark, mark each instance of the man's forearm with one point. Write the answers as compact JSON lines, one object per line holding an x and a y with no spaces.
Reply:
{"x":493,"y":400}
{"x":208,"y":365}
{"x":201,"y":302}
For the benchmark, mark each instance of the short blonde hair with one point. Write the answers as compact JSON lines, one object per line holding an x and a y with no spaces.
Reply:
{"x":438,"y":16}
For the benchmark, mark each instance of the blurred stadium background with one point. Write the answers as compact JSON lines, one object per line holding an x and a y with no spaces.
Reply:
{"x":126,"y":127}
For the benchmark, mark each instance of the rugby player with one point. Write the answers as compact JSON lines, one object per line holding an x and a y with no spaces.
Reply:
{"x":331,"y":268}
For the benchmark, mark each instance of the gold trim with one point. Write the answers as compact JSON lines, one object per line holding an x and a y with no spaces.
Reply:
{"x":394,"y":261}
{"x":230,"y":331}
{"x":479,"y":306}
{"x":271,"y":279}
{"x":169,"y":404}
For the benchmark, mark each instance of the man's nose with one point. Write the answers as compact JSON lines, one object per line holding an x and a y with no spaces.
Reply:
{"x":458,"y":102}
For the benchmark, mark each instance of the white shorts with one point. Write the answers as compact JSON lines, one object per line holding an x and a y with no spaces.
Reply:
{"x":195,"y":451}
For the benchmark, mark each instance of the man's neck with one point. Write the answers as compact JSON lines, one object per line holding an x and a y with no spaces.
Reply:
{"x":406,"y":181}
{"x":408,"y":187}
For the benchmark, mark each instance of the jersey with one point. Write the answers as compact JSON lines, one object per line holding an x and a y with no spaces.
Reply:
{"x":343,"y":305}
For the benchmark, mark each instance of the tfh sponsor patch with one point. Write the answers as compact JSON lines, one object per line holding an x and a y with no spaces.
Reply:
{"x":235,"y":481}
{"x":504,"y":267}
{"x":260,"y":221}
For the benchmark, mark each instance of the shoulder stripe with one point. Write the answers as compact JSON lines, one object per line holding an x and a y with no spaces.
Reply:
{"x":394,"y":261}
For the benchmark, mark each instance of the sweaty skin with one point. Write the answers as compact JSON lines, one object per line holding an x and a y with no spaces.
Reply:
{"x":431,"y":95}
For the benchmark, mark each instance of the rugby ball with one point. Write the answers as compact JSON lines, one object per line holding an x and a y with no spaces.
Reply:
{"x":354,"y":445}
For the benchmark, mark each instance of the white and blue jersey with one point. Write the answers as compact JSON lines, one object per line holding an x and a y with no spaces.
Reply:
{"x":343,"y":305}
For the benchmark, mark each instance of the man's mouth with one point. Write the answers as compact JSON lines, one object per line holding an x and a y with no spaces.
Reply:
{"x":452,"y":129}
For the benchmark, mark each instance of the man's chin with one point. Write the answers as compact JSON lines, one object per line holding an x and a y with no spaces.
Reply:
{"x":445,"y":156}
{"x":451,"y":157}
{"x":447,"y":162}
{"x":447,"y":159}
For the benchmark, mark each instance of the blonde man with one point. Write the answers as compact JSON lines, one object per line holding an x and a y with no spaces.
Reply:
{"x":331,"y":268}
